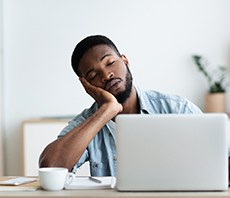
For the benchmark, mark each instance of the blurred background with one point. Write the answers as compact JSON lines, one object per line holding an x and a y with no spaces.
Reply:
{"x":158,"y":37}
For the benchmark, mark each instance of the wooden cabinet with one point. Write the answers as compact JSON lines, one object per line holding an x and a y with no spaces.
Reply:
{"x":36,"y":135}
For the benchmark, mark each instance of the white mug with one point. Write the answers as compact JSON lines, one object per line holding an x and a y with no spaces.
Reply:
{"x":54,"y":178}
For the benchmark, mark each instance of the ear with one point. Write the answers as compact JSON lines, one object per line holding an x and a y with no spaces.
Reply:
{"x":125,"y":60}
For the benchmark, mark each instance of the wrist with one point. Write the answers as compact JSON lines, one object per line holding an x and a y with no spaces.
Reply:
{"x":112,"y":108}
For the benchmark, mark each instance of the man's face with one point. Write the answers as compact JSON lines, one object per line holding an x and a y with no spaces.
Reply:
{"x":102,"y":67}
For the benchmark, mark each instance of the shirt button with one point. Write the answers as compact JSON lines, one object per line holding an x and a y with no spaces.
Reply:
{"x":115,"y":158}
{"x":95,"y":165}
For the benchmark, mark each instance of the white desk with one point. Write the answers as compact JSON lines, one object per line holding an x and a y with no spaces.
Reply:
{"x":112,"y":194}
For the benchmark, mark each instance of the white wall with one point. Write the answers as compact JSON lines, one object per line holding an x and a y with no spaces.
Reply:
{"x":1,"y":86}
{"x":158,"y":37}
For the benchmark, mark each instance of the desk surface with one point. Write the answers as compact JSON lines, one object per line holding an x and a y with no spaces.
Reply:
{"x":111,"y":193}
{"x":108,"y":193}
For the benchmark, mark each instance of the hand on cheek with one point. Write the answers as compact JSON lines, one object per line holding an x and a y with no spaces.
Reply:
{"x":100,"y":95}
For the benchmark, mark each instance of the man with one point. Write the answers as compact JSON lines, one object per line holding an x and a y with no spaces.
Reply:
{"x":90,"y":136}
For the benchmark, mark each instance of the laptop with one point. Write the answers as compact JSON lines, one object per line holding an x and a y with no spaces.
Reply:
{"x":172,"y":152}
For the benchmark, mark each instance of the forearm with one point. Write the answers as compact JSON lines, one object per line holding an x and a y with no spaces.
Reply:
{"x":66,"y":151}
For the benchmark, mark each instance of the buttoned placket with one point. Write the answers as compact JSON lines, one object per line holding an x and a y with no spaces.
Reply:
{"x":111,"y":147}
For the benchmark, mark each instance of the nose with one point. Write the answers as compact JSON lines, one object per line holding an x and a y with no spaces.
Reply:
{"x":107,"y":75}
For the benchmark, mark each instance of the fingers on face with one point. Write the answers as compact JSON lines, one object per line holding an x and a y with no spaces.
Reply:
{"x":88,"y":87}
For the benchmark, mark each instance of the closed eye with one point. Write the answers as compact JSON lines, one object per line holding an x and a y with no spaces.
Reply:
{"x":110,"y":63}
{"x":92,"y":75}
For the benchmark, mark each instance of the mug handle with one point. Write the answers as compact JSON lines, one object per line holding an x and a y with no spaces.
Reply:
{"x":69,"y":178}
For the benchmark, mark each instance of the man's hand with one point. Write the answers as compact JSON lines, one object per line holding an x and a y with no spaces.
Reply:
{"x":100,"y":95}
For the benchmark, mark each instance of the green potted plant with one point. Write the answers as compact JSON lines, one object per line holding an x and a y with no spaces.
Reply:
{"x":218,"y":82}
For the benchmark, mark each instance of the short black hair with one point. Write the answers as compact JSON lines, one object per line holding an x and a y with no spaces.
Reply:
{"x":87,"y":43}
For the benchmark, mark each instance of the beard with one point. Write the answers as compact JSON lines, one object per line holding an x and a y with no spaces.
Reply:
{"x":124,"y":95}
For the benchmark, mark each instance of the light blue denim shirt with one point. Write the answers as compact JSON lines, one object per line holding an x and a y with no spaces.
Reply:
{"x":101,"y":152}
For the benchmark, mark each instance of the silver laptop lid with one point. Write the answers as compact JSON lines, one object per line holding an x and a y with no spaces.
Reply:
{"x":173,"y":152}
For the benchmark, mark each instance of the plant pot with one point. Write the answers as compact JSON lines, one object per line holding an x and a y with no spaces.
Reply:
{"x":215,"y":102}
